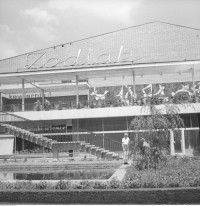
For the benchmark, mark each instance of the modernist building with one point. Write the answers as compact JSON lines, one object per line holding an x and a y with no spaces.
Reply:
{"x":95,"y":86}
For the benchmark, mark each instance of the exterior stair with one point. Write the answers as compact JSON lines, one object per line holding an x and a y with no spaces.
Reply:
{"x":58,"y":146}
{"x":99,"y":152}
{"x":29,"y":136}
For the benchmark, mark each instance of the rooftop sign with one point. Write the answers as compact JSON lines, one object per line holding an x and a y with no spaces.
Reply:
{"x":39,"y":60}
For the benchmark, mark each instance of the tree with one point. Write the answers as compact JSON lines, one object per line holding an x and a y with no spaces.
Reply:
{"x":154,"y":130}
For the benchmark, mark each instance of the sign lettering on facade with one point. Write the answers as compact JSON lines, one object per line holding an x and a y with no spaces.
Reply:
{"x":40,"y":59}
{"x":19,"y":96}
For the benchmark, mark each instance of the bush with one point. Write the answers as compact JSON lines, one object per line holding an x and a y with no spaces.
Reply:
{"x":41,"y":185}
{"x":176,"y":172}
{"x":114,"y":184}
{"x":62,"y":185}
{"x":17,"y":185}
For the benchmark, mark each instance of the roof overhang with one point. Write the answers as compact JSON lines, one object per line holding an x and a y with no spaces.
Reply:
{"x":66,"y":87}
{"x":111,"y":75}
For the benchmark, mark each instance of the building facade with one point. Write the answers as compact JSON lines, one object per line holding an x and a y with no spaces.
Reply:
{"x":93,"y":88}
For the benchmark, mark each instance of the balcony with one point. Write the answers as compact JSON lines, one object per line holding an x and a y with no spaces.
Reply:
{"x":100,"y":109}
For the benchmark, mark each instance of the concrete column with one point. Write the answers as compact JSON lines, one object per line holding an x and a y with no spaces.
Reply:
{"x":88,"y":97}
{"x":77,"y":138}
{"x":172,"y":150}
{"x":183,"y":141}
{"x":42,"y":99}
{"x":134,"y":90}
{"x":193,"y":84}
{"x":15,"y":154}
{"x":103,"y":131}
{"x":1,"y":102}
{"x":77,"y":92}
{"x":23,"y":96}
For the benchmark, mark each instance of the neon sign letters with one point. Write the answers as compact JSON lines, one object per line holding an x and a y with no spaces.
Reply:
{"x":39,"y":60}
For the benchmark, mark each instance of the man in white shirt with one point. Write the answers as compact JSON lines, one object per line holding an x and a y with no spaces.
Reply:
{"x":125,"y":146}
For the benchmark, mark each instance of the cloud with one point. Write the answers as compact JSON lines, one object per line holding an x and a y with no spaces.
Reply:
{"x":6,"y":47}
{"x":6,"y":50}
{"x":41,"y":16}
{"x":46,"y":33}
{"x":44,"y":23}
{"x":113,"y":10}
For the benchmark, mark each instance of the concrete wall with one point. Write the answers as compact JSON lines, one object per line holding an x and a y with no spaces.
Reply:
{"x":6,"y":145}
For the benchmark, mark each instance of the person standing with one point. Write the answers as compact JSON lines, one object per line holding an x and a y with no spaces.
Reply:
{"x":125,"y":146}
{"x":38,"y":105}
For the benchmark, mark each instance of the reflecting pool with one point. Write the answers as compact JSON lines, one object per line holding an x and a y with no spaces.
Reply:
{"x":57,"y":175}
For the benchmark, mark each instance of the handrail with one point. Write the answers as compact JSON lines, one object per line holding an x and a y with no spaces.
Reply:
{"x":90,"y":132}
{"x":92,"y":103}
{"x":25,"y":119}
{"x":40,"y":124}
{"x":100,"y":140}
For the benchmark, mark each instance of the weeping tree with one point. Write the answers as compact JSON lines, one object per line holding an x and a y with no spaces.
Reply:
{"x":153,"y":134}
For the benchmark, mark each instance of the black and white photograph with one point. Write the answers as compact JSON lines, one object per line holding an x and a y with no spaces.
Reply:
{"x":99,"y":102}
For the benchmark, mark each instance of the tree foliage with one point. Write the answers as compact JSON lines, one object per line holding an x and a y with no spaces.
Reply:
{"x":155,"y":130}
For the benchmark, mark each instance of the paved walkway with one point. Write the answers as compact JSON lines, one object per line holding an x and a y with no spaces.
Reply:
{"x":120,"y":173}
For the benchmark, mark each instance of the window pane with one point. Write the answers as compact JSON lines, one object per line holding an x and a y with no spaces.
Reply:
{"x":112,"y":124}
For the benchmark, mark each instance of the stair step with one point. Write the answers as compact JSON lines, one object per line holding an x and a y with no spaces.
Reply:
{"x":47,"y":142}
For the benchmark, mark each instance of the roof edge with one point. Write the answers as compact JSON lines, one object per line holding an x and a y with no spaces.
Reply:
{"x":98,"y":36}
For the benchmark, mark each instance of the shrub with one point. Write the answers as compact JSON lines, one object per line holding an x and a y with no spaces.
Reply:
{"x":41,"y":185}
{"x":100,"y":185}
{"x":114,"y":184}
{"x":61,"y":185}
{"x":84,"y":185}
{"x":177,"y":172}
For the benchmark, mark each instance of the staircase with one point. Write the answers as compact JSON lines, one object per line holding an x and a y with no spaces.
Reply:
{"x":83,"y":147}
{"x":29,"y":136}
{"x":43,"y":141}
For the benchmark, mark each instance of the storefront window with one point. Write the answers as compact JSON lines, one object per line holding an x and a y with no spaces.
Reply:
{"x":114,"y":124}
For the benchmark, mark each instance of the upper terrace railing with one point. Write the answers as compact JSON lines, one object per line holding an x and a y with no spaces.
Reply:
{"x":63,"y":105}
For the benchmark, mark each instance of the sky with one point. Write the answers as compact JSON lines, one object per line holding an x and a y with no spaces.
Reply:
{"x":28,"y":25}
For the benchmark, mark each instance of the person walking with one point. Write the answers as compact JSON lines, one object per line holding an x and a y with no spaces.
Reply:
{"x":125,"y":146}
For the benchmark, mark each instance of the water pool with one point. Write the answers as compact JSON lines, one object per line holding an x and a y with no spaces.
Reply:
{"x":57,"y":174}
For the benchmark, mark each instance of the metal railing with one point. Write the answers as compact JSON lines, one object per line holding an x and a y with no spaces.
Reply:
{"x":56,"y":133}
{"x":64,"y":105}
{"x":99,"y":140}
{"x":20,"y":124}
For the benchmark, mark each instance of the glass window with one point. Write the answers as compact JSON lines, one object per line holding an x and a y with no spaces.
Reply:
{"x":187,"y":119}
{"x":116,"y":123}
{"x":91,"y":124}
{"x":195,"y":120}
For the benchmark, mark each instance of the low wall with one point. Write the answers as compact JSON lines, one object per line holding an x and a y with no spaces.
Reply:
{"x":6,"y":145}
{"x":105,"y":196}
{"x":64,"y":146}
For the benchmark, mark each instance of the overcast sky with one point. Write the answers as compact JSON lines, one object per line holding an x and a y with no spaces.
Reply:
{"x":28,"y":25}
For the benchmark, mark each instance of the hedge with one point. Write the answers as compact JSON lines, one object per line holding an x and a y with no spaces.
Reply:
{"x":105,"y":196}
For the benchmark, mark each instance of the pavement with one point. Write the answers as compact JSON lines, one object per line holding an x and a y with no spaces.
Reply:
{"x":120,"y":173}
